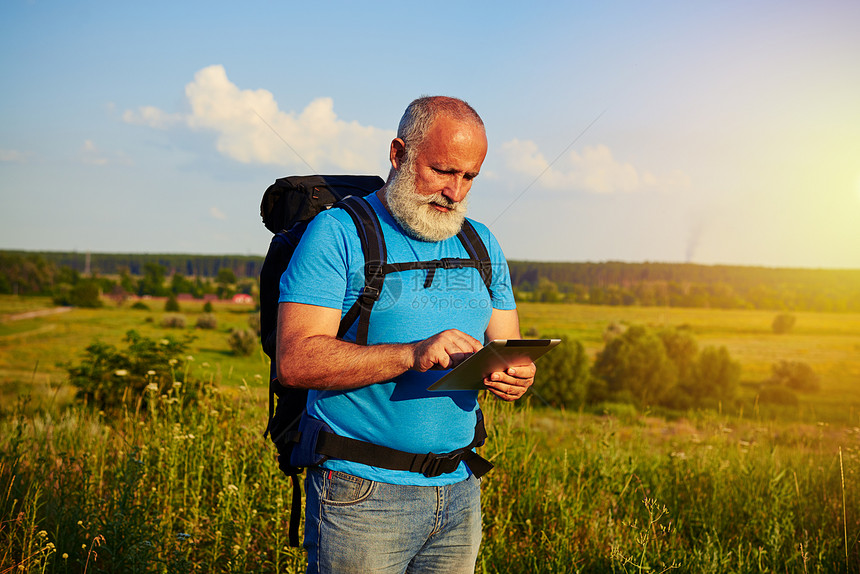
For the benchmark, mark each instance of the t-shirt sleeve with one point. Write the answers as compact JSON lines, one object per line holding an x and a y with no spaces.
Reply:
{"x":318,"y":271}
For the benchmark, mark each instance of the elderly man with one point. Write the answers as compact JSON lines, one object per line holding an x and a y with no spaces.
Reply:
{"x":368,"y":518}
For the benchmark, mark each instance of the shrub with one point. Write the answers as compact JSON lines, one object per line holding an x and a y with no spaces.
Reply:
{"x":795,"y":375}
{"x":563,"y":375}
{"x":635,"y":364}
{"x":783,"y":323}
{"x":715,"y":376}
{"x":207,"y":307}
{"x":254,"y":323}
{"x":85,"y":293}
{"x":777,"y":395}
{"x":613,"y":330}
{"x":171,"y":305}
{"x":207,"y":321}
{"x":173,"y":321}
{"x":140,"y":305}
{"x":682,"y":349}
{"x":242,"y":341}
{"x":108,"y":377}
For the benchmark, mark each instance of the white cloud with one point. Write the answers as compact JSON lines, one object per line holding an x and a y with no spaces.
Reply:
{"x":217,"y":213}
{"x":12,"y":156}
{"x":152,"y":117}
{"x":251,"y":128}
{"x":592,"y":170}
{"x":92,"y":155}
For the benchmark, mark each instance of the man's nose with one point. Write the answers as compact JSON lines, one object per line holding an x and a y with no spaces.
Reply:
{"x":456,"y":188}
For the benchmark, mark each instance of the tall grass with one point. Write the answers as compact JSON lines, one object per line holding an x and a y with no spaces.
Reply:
{"x":578,"y":493}
{"x":197,"y":489}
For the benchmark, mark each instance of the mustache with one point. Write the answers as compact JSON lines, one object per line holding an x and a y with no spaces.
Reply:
{"x":440,"y":199}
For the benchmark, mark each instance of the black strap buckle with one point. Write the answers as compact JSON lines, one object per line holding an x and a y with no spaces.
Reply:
{"x":451,"y":263}
{"x":438,"y":464}
{"x":372,"y":269}
{"x":368,"y":292}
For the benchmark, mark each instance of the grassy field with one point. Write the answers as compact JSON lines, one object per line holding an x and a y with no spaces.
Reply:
{"x":194,"y":488}
{"x":828,"y":342}
{"x":33,"y":350}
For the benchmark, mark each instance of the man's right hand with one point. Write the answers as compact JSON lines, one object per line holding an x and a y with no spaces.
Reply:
{"x":444,"y":350}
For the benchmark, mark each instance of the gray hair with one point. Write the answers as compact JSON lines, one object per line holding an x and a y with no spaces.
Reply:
{"x":421,"y":114}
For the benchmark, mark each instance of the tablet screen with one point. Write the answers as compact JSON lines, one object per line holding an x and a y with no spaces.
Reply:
{"x":497,"y":355}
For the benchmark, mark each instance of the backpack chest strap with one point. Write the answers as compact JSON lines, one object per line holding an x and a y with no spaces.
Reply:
{"x":431,"y":267}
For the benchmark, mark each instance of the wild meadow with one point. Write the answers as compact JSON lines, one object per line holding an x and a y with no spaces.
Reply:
{"x":179,"y":478}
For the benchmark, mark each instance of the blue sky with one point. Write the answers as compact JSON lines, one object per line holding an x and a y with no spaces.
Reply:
{"x":716,"y":133}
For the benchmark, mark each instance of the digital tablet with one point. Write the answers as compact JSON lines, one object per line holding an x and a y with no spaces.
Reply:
{"x":497,"y":355}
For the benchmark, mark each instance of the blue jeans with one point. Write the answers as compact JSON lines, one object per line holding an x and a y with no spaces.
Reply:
{"x":357,"y":525}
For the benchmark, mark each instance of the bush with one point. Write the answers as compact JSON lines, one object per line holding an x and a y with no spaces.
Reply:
{"x":783,"y":323}
{"x":207,"y":307}
{"x":777,"y":395}
{"x":171,"y":305}
{"x":254,"y":323}
{"x":795,"y":375}
{"x":563,"y":375}
{"x":108,"y":377}
{"x":85,"y":293}
{"x":140,"y":305}
{"x":242,"y":341}
{"x":715,"y":376}
{"x":173,"y":321}
{"x":207,"y":321}
{"x":613,"y":330}
{"x":682,"y":349}
{"x":634,"y":364}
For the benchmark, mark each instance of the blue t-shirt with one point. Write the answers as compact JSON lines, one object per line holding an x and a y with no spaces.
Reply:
{"x":327,"y":270}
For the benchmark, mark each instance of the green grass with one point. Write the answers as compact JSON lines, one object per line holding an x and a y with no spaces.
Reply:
{"x":828,"y":342}
{"x":32,"y":351}
{"x":195,"y":488}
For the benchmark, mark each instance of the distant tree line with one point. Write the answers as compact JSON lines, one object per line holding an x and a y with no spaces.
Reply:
{"x":34,"y":274}
{"x":204,"y":266}
{"x":609,"y":283}
{"x":687,"y":285}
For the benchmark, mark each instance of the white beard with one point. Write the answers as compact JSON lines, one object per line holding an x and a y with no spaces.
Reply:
{"x":415,"y":213}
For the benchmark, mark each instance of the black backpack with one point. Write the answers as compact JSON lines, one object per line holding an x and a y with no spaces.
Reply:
{"x":287,"y":208}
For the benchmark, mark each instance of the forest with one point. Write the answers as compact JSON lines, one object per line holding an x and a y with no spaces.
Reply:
{"x":592,"y":283}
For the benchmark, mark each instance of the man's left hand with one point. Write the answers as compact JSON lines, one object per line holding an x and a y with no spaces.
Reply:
{"x":512,"y":384}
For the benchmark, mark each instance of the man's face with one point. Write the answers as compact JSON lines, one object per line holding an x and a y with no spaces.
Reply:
{"x":428,"y":192}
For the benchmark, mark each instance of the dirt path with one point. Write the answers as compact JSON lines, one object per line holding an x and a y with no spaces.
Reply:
{"x":34,"y":314}
{"x":36,"y":331}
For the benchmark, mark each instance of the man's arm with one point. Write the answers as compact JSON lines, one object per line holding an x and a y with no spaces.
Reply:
{"x":311,"y":356}
{"x":512,"y":384}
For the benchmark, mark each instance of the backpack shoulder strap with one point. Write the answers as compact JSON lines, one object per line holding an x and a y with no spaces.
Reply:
{"x":375,"y":256}
{"x":477,"y":250}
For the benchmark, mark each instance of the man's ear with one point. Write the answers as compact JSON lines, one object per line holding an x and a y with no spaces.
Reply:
{"x":397,"y":153}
